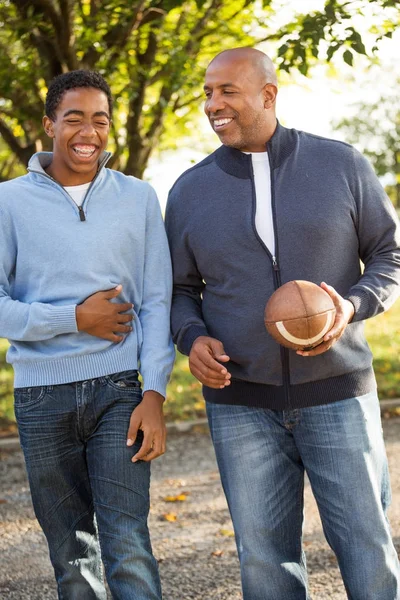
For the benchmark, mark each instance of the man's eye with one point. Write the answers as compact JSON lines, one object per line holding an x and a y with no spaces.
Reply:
{"x":73,"y":121}
{"x":101,"y":123}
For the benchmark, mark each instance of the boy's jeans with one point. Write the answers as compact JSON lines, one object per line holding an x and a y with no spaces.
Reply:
{"x":90,"y":499}
{"x":262,"y":455}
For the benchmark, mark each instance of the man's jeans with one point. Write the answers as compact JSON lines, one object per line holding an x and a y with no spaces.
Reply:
{"x":262,"y":455}
{"x":86,"y":492}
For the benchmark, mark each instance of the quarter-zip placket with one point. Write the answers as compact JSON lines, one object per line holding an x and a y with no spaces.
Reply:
{"x":81,"y":211}
{"x":275,"y":265}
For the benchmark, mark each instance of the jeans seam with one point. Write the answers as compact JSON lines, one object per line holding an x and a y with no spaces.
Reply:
{"x":120,"y":485}
{"x":71,"y":529}
{"x":119,"y":511}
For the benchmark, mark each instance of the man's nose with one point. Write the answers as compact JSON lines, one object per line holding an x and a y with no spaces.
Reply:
{"x":88,"y":129}
{"x":214,"y":103}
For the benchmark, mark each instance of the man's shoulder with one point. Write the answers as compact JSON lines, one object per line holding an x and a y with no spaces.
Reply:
{"x":190,"y":176}
{"x":125,"y":180}
{"x":322,"y":143}
{"x":128,"y":184}
{"x":9,"y":189}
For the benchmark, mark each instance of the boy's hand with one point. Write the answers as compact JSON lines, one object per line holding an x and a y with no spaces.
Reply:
{"x":149,"y":418}
{"x":100,"y":317}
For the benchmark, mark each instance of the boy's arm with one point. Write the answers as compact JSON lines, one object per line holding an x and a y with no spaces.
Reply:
{"x":31,"y":322}
{"x":157,"y":351}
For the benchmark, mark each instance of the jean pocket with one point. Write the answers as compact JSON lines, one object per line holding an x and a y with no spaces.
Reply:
{"x":124,"y":381}
{"x":28,"y":397}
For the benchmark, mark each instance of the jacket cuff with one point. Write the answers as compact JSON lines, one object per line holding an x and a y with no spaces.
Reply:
{"x":361,"y":303}
{"x":155,"y":381}
{"x":64,"y":319}
{"x":190,"y":335}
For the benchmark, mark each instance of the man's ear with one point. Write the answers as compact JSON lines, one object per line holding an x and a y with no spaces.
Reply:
{"x":48,"y":126}
{"x":270,"y":91}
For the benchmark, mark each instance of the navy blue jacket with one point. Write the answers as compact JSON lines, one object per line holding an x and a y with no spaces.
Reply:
{"x":333,"y":222}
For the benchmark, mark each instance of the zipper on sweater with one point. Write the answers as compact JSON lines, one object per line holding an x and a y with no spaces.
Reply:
{"x":81,"y":212}
{"x":278,"y":283}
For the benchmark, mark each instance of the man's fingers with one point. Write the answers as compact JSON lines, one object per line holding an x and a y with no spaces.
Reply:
{"x":124,"y":318}
{"x":157,"y":448}
{"x":132,"y":431}
{"x":146,"y":447}
{"x":122,"y":328}
{"x":204,"y":358}
{"x":114,"y":338}
{"x":113,"y":293}
{"x":214,"y":382}
{"x":123,"y":307}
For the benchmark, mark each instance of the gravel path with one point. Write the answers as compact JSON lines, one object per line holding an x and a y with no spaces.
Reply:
{"x":195,"y":547}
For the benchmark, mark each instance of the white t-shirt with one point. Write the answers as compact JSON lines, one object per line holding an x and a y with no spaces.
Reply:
{"x":77,"y":192}
{"x":262,"y":180}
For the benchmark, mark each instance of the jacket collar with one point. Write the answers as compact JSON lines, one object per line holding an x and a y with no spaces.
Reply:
{"x":41,"y":160}
{"x":279,"y":147}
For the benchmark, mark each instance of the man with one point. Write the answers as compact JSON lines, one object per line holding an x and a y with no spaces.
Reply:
{"x":269,"y":206}
{"x":85,"y":287}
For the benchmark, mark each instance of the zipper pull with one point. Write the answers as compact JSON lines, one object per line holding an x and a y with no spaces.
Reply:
{"x":81,"y":214}
{"x":275,"y":264}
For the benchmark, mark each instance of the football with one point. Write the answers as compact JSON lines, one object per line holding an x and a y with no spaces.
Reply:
{"x":299,"y":314}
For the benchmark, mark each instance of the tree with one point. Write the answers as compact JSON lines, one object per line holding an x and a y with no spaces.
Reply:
{"x":153,"y":54}
{"x":375,"y":129}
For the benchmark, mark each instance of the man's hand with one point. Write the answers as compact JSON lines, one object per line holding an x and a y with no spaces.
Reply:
{"x":148,"y":417}
{"x":103,"y":319}
{"x":204,"y":361}
{"x":344,"y":314}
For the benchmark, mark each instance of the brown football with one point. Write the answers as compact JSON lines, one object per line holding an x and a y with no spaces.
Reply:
{"x":299,"y":314}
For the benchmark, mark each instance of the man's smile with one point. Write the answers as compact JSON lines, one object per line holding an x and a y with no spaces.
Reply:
{"x":84,"y":150}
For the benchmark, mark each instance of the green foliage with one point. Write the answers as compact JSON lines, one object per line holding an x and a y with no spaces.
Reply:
{"x":329,"y":31}
{"x":374,"y":127}
{"x":153,"y":53}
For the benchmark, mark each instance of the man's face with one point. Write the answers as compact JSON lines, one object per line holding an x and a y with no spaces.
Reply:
{"x":236,"y":104}
{"x":80,"y":134}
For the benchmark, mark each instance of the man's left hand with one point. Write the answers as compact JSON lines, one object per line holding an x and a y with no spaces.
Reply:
{"x":149,"y":418}
{"x":344,"y":314}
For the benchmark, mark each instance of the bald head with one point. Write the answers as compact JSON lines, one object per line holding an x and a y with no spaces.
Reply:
{"x":240,"y":88}
{"x":258,"y":63}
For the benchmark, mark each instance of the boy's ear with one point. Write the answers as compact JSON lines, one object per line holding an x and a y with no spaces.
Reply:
{"x":48,"y":126}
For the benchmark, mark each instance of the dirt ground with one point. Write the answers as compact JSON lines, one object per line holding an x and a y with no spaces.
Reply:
{"x":192,"y":538}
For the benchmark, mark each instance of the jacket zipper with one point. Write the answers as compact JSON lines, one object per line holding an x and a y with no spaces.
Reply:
{"x":81,"y":211}
{"x":276,"y":271}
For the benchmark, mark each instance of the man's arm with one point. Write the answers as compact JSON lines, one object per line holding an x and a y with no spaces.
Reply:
{"x":378,"y":232}
{"x":157,"y":352}
{"x":206,"y":354}
{"x":36,"y":321}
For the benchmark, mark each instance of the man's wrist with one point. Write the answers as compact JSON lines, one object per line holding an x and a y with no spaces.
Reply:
{"x":153,"y":395}
{"x":350,"y":309}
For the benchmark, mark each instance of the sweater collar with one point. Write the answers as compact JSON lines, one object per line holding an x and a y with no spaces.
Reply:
{"x":279,"y":147}
{"x":41,"y":160}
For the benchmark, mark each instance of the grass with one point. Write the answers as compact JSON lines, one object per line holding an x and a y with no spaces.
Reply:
{"x":184,"y":392}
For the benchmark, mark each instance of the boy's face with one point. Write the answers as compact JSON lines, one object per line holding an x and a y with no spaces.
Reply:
{"x":80,"y":134}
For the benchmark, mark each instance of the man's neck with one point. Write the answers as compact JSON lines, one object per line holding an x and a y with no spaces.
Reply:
{"x":68,"y":179}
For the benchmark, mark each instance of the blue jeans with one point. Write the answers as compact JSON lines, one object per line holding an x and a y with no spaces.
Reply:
{"x":262,"y":455}
{"x":91,"y":501}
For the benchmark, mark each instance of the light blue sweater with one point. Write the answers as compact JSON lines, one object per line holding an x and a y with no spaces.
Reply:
{"x":51,"y":260}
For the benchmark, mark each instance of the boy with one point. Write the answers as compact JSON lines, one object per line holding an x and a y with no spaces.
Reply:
{"x":85,"y":287}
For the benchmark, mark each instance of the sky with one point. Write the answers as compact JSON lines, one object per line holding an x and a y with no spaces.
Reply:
{"x":309,"y":103}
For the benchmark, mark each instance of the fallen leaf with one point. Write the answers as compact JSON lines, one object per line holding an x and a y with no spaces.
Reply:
{"x":217,"y":553}
{"x":227,"y":532}
{"x":178,"y":498}
{"x":170,"y":517}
